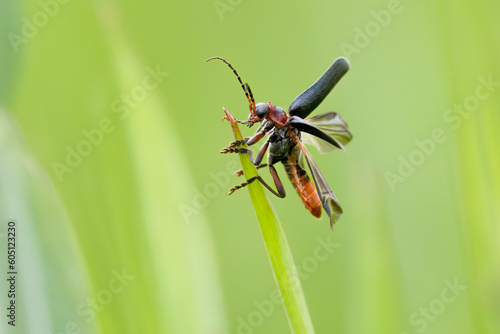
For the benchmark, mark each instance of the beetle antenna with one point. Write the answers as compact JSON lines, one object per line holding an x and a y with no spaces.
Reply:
{"x":245,"y":87}
{"x":251,"y":95}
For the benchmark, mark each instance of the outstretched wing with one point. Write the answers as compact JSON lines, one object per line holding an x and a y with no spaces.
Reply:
{"x":328,"y":199}
{"x":333,"y":125}
{"x":309,"y":99}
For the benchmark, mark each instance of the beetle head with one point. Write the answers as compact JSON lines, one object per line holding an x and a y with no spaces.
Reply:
{"x":267,"y":111}
{"x":259,"y":113}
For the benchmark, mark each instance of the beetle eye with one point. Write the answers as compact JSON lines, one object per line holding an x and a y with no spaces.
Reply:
{"x":262,"y":109}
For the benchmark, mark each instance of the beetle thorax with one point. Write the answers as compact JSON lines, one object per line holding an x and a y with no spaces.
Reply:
{"x":278,"y":116}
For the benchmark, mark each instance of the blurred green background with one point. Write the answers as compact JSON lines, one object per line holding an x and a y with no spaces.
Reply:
{"x":109,"y":137}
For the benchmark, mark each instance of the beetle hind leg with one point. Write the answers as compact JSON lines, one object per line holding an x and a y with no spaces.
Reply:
{"x":280,"y":193}
{"x":277,"y":182}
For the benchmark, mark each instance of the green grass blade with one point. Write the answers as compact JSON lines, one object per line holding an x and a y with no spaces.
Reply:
{"x":51,"y":281}
{"x":280,"y":256}
{"x":185,"y":292}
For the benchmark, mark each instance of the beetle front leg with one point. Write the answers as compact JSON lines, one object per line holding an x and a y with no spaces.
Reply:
{"x":233,"y":146}
{"x":255,"y":138}
{"x":258,"y":158}
{"x":260,"y":154}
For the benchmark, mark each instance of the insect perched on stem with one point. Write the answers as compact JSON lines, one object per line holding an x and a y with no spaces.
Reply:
{"x":286,"y":135}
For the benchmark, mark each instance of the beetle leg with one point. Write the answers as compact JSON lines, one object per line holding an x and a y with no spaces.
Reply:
{"x":249,"y":141}
{"x":277,"y":182}
{"x":233,"y":146}
{"x":255,"y":138}
{"x":258,"y":158}
{"x":260,"y":155}
{"x":237,"y":121}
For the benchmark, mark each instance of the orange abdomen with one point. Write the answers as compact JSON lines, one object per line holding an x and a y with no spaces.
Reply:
{"x":304,"y":187}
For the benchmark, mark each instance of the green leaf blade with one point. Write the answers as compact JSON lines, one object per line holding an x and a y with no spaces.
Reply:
{"x":278,"y":250}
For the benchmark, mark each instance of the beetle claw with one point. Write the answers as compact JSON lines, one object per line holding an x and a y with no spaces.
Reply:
{"x":234,"y":146}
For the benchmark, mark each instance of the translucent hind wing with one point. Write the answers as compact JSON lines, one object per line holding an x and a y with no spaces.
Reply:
{"x":332,"y":124}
